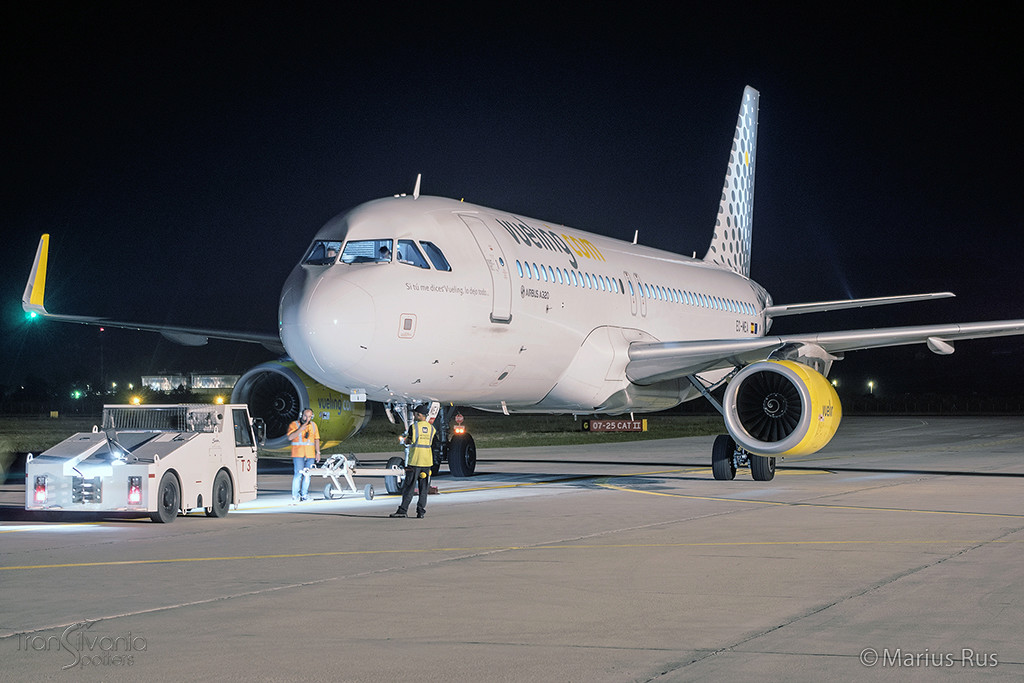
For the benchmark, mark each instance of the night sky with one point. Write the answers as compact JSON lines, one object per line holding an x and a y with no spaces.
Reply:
{"x":182,"y":157}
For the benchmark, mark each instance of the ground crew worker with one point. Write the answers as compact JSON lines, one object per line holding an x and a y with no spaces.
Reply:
{"x":418,"y":467}
{"x":305,"y":438}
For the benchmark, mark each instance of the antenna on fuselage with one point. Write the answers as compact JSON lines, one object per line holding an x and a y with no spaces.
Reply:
{"x":416,"y":190}
{"x":636,"y":234}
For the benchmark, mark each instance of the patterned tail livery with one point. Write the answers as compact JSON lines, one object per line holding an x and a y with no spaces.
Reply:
{"x":730,"y":245}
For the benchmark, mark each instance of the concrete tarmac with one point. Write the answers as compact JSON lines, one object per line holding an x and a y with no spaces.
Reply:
{"x":894,"y":554}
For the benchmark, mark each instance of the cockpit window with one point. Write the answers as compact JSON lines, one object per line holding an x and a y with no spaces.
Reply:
{"x":435,"y":256}
{"x":322,"y":253}
{"x":367,"y":251}
{"x":409,"y":254}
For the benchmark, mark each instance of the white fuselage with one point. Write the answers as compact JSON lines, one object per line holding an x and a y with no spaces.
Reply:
{"x":531,"y":316}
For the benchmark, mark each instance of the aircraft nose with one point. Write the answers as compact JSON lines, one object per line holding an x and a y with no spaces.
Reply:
{"x":326,"y":324}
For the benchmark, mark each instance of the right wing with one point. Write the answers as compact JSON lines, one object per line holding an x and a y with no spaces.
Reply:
{"x":651,"y":362}
{"x":32,"y":302}
{"x":842,"y":304}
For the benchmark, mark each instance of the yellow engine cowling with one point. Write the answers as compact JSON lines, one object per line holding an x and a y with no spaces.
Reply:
{"x":278,"y":392}
{"x":779,"y":408}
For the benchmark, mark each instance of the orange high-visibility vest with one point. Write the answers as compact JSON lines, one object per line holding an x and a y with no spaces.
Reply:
{"x":304,"y":446}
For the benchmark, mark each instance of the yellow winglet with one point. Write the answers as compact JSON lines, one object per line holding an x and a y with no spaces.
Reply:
{"x":32,"y":300}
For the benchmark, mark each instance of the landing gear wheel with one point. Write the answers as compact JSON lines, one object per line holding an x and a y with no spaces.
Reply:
{"x":723,"y":464}
{"x":462,"y":456}
{"x":762,"y":467}
{"x":328,"y":491}
{"x":368,"y":492}
{"x":168,"y":499}
{"x":222,"y":495}
{"x":394,"y":484}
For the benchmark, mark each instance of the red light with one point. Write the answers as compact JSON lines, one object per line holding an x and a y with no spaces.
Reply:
{"x":40,"y":490}
{"x":134,"y":490}
{"x":459,"y":429}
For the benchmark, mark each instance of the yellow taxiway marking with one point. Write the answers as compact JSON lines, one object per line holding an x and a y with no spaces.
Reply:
{"x":779,"y":472}
{"x":492,"y":549}
{"x":47,"y":526}
{"x":783,"y":503}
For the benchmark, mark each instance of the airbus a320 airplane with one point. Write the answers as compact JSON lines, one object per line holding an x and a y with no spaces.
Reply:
{"x":542,"y":318}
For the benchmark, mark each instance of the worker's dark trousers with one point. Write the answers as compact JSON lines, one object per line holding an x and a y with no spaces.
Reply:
{"x":412,"y":478}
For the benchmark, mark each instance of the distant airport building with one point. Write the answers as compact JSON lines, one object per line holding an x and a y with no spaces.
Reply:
{"x":164,"y":382}
{"x":200,"y":382}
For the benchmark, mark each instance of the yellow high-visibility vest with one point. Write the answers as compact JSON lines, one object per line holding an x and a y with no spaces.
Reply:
{"x":420,"y":454}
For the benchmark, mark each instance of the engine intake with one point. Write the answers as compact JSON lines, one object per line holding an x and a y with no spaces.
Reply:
{"x":777,"y":408}
{"x":277,"y":392}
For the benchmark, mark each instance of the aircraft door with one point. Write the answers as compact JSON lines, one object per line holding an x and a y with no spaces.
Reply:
{"x":635,"y":281}
{"x":632,"y":292}
{"x":501,"y":279}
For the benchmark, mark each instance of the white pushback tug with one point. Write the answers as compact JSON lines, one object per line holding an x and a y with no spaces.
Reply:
{"x":156,"y":459}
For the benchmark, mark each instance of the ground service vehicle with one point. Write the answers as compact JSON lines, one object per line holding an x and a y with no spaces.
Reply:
{"x":160,"y":459}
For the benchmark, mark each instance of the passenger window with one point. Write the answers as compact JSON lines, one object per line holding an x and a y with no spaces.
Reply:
{"x":367,"y":251}
{"x":322,"y":253}
{"x":436,"y":257}
{"x":410,"y":255}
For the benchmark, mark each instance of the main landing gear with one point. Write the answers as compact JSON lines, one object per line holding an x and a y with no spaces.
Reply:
{"x":453,"y":444}
{"x":726,"y":457}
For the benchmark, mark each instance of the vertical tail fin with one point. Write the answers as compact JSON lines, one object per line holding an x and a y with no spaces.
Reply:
{"x":730,"y":245}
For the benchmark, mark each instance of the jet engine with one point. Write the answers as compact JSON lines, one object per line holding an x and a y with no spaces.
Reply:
{"x":781,"y":407}
{"x":278,"y":392}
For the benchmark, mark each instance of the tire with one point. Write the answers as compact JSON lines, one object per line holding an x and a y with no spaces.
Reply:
{"x":762,"y":467}
{"x":222,"y":495}
{"x":368,"y":492}
{"x":328,"y":491}
{"x":723,"y":464}
{"x":394,"y":484}
{"x":168,"y":499}
{"x":462,"y":456}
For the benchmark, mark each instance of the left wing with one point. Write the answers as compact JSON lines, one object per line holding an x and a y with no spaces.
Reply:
{"x":651,"y":362}
{"x":32,"y":302}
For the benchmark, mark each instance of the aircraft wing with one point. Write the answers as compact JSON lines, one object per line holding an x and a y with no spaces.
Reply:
{"x":651,"y":362}
{"x":842,"y":304}
{"x":32,"y":302}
